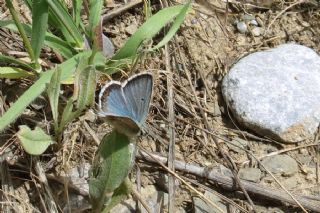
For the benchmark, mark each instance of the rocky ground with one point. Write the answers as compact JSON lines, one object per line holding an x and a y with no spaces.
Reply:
{"x":210,"y":146}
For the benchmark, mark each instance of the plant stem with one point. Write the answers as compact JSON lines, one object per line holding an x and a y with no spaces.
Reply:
{"x":22,"y":32}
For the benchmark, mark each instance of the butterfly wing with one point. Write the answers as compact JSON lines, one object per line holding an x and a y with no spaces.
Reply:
{"x":112,"y":101}
{"x":138,"y":92}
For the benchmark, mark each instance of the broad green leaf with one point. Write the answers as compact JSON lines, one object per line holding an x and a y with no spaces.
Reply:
{"x":67,"y":70}
{"x":53,"y":94}
{"x":10,"y":60}
{"x":83,"y":96}
{"x":13,"y":73}
{"x":174,"y":27}
{"x":51,"y":40}
{"x":112,"y":163}
{"x":39,"y":25}
{"x":34,"y":142}
{"x":149,"y":29}
{"x":63,"y":17}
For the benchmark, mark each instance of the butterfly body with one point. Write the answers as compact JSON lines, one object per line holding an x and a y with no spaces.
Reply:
{"x":125,"y":105}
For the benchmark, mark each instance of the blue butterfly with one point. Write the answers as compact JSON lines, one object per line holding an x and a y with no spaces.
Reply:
{"x":126,"y":105}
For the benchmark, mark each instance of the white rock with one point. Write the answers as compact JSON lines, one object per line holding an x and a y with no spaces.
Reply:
{"x":276,"y":92}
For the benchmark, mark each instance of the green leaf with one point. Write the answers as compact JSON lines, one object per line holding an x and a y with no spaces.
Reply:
{"x":53,"y":94}
{"x":13,"y":73}
{"x":77,"y":4}
{"x":149,"y":29}
{"x":51,"y":40}
{"x":10,"y":60}
{"x":119,"y":195}
{"x":68,"y":25}
{"x":67,"y":70}
{"x":39,"y":25}
{"x":112,"y":163}
{"x":21,"y":30}
{"x":95,"y":7}
{"x":85,"y":82}
{"x":174,"y":27}
{"x":34,"y":142}
{"x":85,"y":86}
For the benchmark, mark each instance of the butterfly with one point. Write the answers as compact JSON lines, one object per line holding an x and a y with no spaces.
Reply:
{"x":126,"y":105}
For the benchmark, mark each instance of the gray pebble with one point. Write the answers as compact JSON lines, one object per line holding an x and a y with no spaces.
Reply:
{"x":250,"y":174}
{"x":201,"y":206}
{"x":242,"y":27}
{"x":281,"y":164}
{"x":254,"y":22}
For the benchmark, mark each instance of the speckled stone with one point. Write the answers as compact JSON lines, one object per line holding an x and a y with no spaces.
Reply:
{"x":281,"y":164}
{"x":276,"y":92}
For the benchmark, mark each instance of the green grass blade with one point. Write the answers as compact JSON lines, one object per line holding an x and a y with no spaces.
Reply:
{"x":13,"y":73}
{"x":10,"y":60}
{"x":174,"y":27}
{"x":95,"y":7}
{"x":51,"y":40}
{"x":68,"y":68}
{"x":39,"y":25}
{"x":20,"y":28}
{"x":66,"y":21}
{"x":53,"y":94}
{"x":76,"y":12}
{"x":149,"y":29}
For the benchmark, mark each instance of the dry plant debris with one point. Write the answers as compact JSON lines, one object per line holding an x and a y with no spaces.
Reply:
{"x":187,"y":114}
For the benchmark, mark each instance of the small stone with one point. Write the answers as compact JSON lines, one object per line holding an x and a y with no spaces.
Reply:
{"x":78,"y":176}
{"x":254,"y":23}
{"x":162,"y":126}
{"x":238,"y":143}
{"x":281,"y":164}
{"x":276,"y":92}
{"x":250,"y":174}
{"x":201,"y":206}
{"x":256,"y":31}
{"x":242,"y":27}
{"x":247,"y":17}
{"x":76,"y":203}
{"x":149,"y":194}
{"x":290,"y":183}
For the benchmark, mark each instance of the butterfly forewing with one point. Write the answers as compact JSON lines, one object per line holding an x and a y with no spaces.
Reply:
{"x":112,"y":101}
{"x":138,"y":92}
